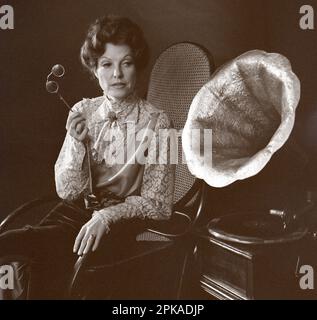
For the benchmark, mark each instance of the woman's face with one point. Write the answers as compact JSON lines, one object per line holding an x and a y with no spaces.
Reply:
{"x":116,"y":71}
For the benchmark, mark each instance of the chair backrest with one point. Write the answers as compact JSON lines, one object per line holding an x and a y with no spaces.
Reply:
{"x":179,"y":72}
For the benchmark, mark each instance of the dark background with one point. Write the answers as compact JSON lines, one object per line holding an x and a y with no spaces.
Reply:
{"x":51,"y":31}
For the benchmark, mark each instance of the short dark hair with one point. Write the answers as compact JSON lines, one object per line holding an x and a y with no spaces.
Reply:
{"x":117,"y":30}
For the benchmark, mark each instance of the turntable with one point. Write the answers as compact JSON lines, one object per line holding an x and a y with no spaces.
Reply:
{"x":257,"y":255}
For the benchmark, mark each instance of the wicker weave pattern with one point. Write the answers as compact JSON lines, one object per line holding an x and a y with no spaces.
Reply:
{"x":178,"y":74}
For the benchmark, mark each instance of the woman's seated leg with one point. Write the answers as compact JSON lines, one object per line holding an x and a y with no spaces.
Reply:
{"x":47,"y":247}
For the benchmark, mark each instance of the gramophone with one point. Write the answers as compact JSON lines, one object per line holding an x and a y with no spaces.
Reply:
{"x":249,"y":104}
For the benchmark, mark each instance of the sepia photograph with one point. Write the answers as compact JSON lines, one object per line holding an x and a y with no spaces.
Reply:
{"x":160,"y":150}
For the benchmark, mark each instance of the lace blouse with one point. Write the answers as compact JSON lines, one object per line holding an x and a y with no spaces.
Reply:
{"x":146,"y":188}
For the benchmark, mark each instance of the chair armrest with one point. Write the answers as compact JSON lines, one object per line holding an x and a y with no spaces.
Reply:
{"x":24,"y":208}
{"x":179,"y":225}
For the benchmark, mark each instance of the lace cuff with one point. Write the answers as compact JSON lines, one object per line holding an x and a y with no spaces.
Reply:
{"x":74,"y":154}
{"x":71,"y":174}
{"x":103,"y":219}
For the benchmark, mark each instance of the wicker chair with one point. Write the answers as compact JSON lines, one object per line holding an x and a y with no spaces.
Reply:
{"x":179,"y":72}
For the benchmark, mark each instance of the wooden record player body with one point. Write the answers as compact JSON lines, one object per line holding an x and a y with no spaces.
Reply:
{"x":235,"y":271}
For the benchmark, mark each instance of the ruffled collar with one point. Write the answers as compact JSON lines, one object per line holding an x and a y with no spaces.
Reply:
{"x":121,"y":106}
{"x":124,"y":111}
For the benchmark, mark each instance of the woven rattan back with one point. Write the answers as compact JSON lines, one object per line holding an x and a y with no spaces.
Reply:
{"x":179,"y":72}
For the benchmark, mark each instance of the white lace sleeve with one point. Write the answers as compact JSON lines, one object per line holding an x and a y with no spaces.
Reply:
{"x":156,"y":197}
{"x":71,"y":172}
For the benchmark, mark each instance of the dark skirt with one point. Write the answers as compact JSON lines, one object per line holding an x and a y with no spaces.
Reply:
{"x":44,"y":252}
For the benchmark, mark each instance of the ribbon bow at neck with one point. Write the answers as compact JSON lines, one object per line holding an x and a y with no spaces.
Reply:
{"x":112,"y":116}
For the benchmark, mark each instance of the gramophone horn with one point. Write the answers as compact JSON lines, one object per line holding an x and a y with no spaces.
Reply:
{"x":249,"y":104}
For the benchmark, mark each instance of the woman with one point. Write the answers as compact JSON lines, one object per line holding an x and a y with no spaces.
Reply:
{"x":117,"y":132}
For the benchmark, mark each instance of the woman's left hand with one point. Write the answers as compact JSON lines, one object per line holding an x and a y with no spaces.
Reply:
{"x":89,"y":236}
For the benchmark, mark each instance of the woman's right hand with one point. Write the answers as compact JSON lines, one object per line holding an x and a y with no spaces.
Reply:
{"x":76,"y":126}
